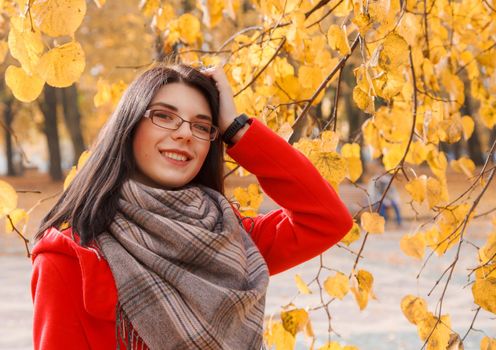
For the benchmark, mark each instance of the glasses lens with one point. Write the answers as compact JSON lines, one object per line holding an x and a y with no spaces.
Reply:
{"x":165,"y":119}
{"x":203,"y":131}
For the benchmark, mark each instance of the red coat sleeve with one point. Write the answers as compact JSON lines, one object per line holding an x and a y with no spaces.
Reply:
{"x":312,"y":219}
{"x":56,"y":323}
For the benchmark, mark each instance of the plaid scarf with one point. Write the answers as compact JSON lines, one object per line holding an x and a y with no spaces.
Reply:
{"x":188,"y":275}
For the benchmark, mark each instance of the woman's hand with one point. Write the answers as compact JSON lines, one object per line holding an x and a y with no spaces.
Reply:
{"x":227,"y":108}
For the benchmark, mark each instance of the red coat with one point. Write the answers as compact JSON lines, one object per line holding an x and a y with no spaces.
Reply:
{"x":73,"y":289}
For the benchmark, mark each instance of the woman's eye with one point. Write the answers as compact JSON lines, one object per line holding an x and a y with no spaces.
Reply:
{"x":203,"y":127}
{"x":164,"y":115}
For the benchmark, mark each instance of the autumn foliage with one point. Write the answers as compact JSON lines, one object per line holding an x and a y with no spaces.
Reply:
{"x":414,"y":65}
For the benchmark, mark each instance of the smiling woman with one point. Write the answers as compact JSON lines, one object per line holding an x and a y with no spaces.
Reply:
{"x":153,"y":255}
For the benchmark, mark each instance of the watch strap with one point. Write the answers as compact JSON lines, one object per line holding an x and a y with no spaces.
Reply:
{"x":235,"y":126}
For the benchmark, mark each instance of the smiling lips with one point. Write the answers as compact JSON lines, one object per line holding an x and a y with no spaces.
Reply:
{"x":176,"y":155}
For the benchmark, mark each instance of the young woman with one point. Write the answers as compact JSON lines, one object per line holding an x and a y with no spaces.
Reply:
{"x":155,"y":256}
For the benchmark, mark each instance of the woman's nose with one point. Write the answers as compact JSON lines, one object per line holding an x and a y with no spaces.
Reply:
{"x":184,"y":131}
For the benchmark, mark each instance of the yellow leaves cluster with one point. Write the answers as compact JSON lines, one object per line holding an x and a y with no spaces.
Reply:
{"x":430,"y":188}
{"x":276,"y":335}
{"x":321,"y":152}
{"x":108,"y":93}
{"x":282,"y":334}
{"x":428,"y":326}
{"x":61,"y":65}
{"x":249,"y":198}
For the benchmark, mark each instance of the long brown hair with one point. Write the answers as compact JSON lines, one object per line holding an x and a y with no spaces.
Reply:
{"x":89,"y":203}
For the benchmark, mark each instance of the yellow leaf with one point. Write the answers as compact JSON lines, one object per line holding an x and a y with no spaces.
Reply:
{"x":281,"y":338}
{"x":363,"y":100}
{"x":58,"y":17}
{"x":463,"y":165}
{"x":468,"y":126}
{"x":149,"y":7}
{"x":417,"y":188}
{"x":413,"y":246}
{"x":355,"y":169}
{"x":417,"y":153}
{"x":103,"y":94}
{"x":414,"y":308}
{"x":436,"y":192}
{"x":337,"y":286}
{"x":338,"y":40}
{"x":249,"y":198}
{"x":24,"y":87}
{"x":439,"y":332}
{"x":18,"y":216}
{"x":364,"y":288}
{"x":372,"y":222}
{"x":301,"y":285}
{"x":484,"y":292}
{"x":392,"y":156}
{"x":394,"y":54}
{"x":25,"y":44}
{"x":488,"y":343}
{"x":450,"y":130}
{"x":352,"y":235}
{"x":331,"y":166}
{"x":70,"y":176}
{"x":294,"y":321}
{"x":189,"y":28}
{"x":164,"y":15}
{"x":82,"y":159}
{"x":63,"y":65}
{"x":350,"y":150}
{"x":488,"y":251}
{"x":329,"y":141}
{"x":8,"y":198}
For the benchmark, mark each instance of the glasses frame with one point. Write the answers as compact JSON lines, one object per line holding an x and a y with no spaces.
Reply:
{"x":149,"y":114}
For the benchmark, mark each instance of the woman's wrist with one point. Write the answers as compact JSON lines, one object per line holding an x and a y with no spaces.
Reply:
{"x":240,"y":133}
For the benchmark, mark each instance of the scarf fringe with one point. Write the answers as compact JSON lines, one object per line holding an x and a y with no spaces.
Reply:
{"x":125,"y":332}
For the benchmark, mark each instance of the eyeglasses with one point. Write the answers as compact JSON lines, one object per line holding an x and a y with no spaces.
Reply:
{"x":171,"y":121}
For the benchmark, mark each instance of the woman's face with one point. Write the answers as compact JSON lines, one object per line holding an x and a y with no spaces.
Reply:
{"x":158,"y":152}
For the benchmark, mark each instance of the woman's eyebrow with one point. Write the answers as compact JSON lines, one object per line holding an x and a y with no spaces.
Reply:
{"x":174,"y":108}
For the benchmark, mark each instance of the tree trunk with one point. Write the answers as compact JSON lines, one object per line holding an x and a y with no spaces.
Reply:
{"x":9,"y":150}
{"x":49,"y":109}
{"x":72,"y":118}
{"x":473,"y":143}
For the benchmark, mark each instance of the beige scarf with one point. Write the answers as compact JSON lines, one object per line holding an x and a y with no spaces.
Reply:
{"x":188,"y":275}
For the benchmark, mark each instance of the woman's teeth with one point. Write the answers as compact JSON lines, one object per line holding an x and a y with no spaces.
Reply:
{"x":175,"y":156}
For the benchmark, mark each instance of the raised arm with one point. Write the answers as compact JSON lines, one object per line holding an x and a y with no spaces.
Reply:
{"x":312,"y":219}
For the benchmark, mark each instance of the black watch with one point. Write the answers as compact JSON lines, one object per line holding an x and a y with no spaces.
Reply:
{"x":235,"y":126}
